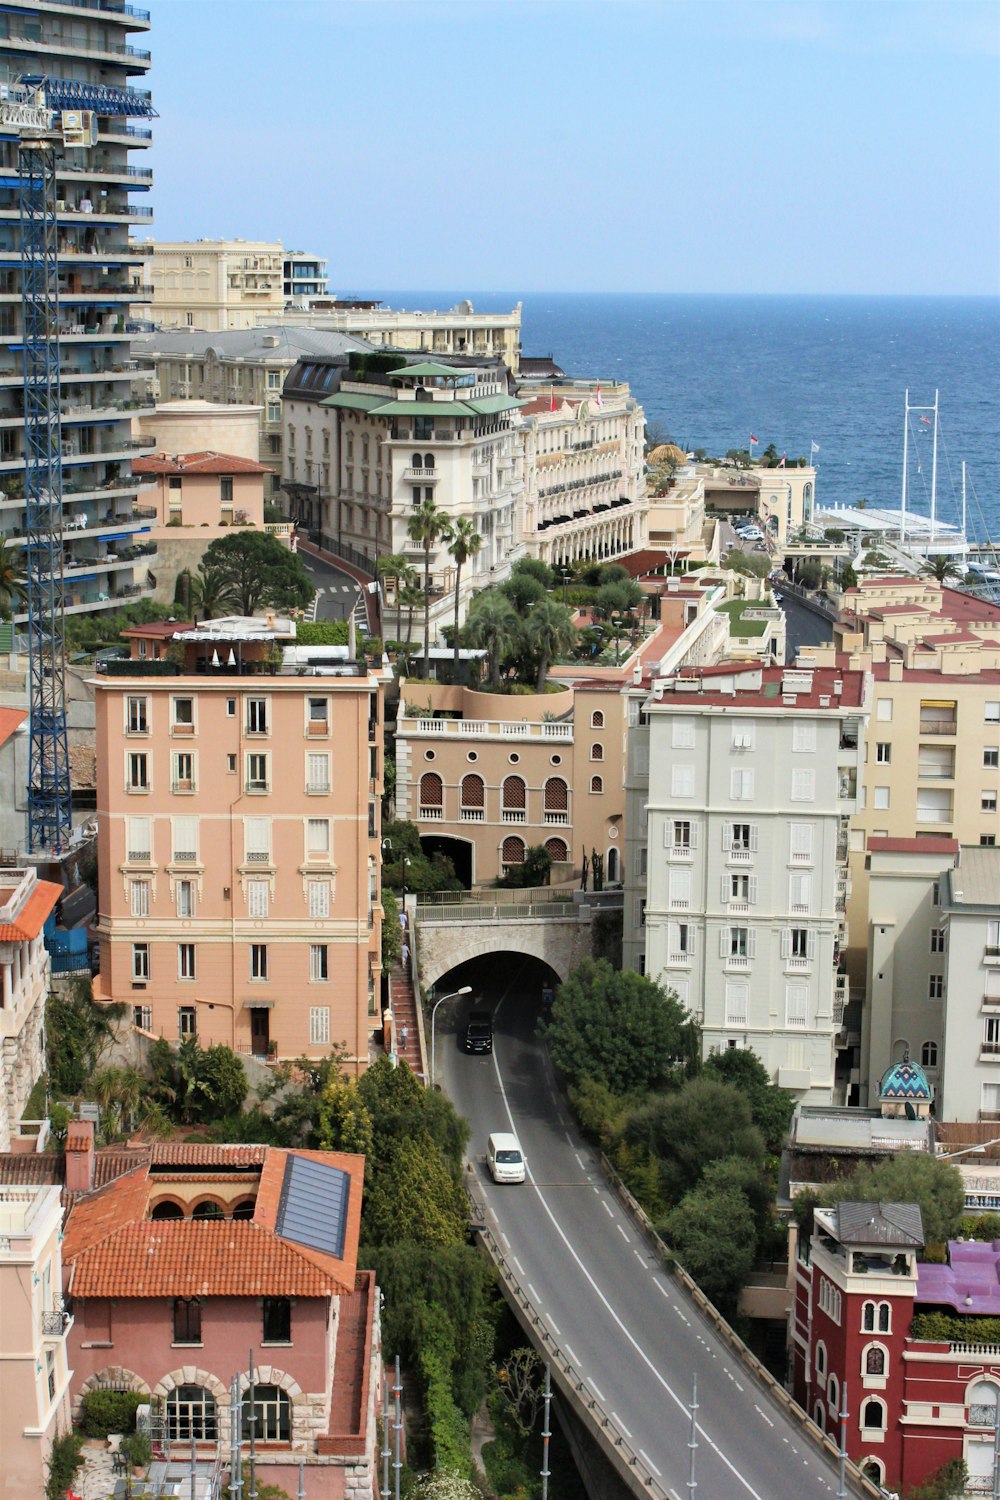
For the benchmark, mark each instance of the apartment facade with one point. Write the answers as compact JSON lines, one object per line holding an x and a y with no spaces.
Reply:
{"x":212,"y":489}
{"x":216,"y":285}
{"x":34,"y":1367}
{"x":238,"y":842}
{"x":457,"y":331}
{"x":100,"y":281}
{"x":585,"y":474}
{"x":25,"y":904}
{"x":239,"y":367}
{"x":970,"y":1038}
{"x":741,"y":781}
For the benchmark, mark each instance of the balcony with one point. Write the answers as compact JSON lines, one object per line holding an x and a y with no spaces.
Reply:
{"x":257,"y":787}
{"x":679,"y":960}
{"x":739,"y":855}
{"x":477,"y":815}
{"x":948,"y":726}
{"x":317,"y":788}
{"x":56,"y":1324}
{"x":556,"y":819}
{"x":991,"y":1002}
{"x":432,"y":814}
{"x":514,"y":815}
{"x":421,"y":476}
{"x":991,"y":955}
{"x":680,"y":852}
{"x":736,"y":962}
{"x":989,"y":1050}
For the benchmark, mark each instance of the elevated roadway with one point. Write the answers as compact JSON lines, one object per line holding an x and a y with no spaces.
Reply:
{"x":628,"y":1329}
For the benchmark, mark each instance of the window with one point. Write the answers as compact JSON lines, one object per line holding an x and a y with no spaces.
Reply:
{"x":139,"y":891}
{"x":737,"y":943}
{"x":937,"y":940}
{"x":318,"y":962}
{"x":319,"y":1025}
{"x":182,"y":716}
{"x":799,"y":892}
{"x":883,"y":753}
{"x":741,"y":785}
{"x":796,"y":1006}
{"x":230,"y":708}
{"x":191,"y":1414}
{"x":258,"y":775}
{"x":991,"y":757}
{"x":743,"y":734}
{"x":274,"y":380}
{"x":272,"y":1415}
{"x":317,"y":773}
{"x":833,"y":1392}
{"x":874,"y":1361}
{"x":319,"y":898}
{"x":140,"y":961}
{"x":431,"y":794}
{"x":318,"y":721}
{"x":987,"y":840}
{"x":473,"y":796}
{"x":559,"y":854}
{"x":187,"y":1021}
{"x":682,"y":737}
{"x":803,"y":736}
{"x":983,"y":1404}
{"x":187,"y":1320}
{"x":138,"y":771}
{"x":514,"y":798}
{"x":800,"y":843}
{"x":935,"y":987}
{"x":258,"y":960}
{"x":318,"y":837}
{"x":136,"y":716}
{"x":258,"y":898}
{"x":821,"y":1359}
{"x":682,"y":836}
{"x":185,"y":840}
{"x":682,"y":781}
{"x":185,"y":961}
{"x":936,"y":893}
{"x":988,"y":802}
{"x":512,"y":852}
{"x":737,"y":1004}
{"x":803,"y":786}
{"x":680,"y":888}
{"x":597,"y":752}
{"x":597,"y":719}
{"x":876,"y":1317}
{"x":257,"y":716}
{"x":929,"y":1055}
{"x":873,"y":1415}
{"x":798,"y":943}
{"x":740,"y":838}
{"x":277,"y":1320}
{"x":991,"y":1035}
{"x":880,"y":798}
{"x":741,"y":888}
{"x":139,"y":839}
{"x":556,"y":797}
{"x":597,"y":783}
{"x":883,"y":709}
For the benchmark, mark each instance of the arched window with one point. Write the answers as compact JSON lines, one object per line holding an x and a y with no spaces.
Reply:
{"x":821,"y":1360}
{"x":512,"y":852}
{"x":273,"y":1411}
{"x":872,"y":1469}
{"x":833,"y":1392}
{"x":884,"y":1317}
{"x":514,"y":796}
{"x":207,"y":1210}
{"x":364,"y":448}
{"x":166,"y":1210}
{"x":597,"y":783}
{"x":597,"y":719}
{"x":191,"y":1414}
{"x":557,"y":851}
{"x":416,"y":462}
{"x":597,"y":752}
{"x":876,"y":1317}
{"x":473,"y":795}
{"x":613,"y":864}
{"x":244,"y":1210}
{"x":428,"y":460}
{"x":819,"y":1415}
{"x":556,"y":795}
{"x":431,"y":793}
{"x":873,"y":1415}
{"x":983,"y":1404}
{"x":928,"y":1055}
{"x":874,"y":1360}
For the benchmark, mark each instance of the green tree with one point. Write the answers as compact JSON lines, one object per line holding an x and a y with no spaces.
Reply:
{"x":618,"y":1028}
{"x":209,"y":593}
{"x":848,"y":577}
{"x":548,"y":632}
{"x":535,"y":568}
{"x":13,"y":581}
{"x":463,"y":544}
{"x":412,"y":1196}
{"x":535,"y":870}
{"x":427,"y":525}
{"x":523,"y":590}
{"x":946,"y":1483}
{"x":941,"y":566}
{"x":76,"y":1034}
{"x":713,"y":1234}
{"x":259,"y":572}
{"x":689,"y":1129}
{"x":908,"y":1177}
{"x":221,"y":1081}
{"x":770,"y":1107}
{"x":343,"y":1121}
{"x":492,"y":626}
{"x":392,"y":942}
{"x":753,"y":563}
{"x":401,"y":1108}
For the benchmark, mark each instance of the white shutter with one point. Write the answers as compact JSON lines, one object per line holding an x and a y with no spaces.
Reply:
{"x":692,"y":944}
{"x":682,"y":781}
{"x":724,"y":889}
{"x":751,"y":942}
{"x":139,"y":838}
{"x":258,"y":897}
{"x":803,"y":786}
{"x":317,"y":770}
{"x":319,"y":898}
{"x":810,"y":944}
{"x":753,"y":837}
{"x":786,"y":942}
{"x":753,"y":890}
{"x":185,"y":837}
{"x":683,"y":734}
{"x":723,"y":942}
{"x":727,"y":836}
{"x":694,"y":835}
{"x":673,"y":937}
{"x":804,"y":735}
{"x":257,"y":836}
{"x":668,"y":834}
{"x":801,"y":840}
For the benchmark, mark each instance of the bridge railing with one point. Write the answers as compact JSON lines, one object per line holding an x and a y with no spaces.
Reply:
{"x":496,"y":896}
{"x":496,"y":911}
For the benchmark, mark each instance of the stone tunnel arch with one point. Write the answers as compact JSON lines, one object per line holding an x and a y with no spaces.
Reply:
{"x":443,"y":946}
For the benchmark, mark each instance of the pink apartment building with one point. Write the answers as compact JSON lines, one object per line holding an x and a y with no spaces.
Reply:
{"x":239,"y":783}
{"x":25,"y":903}
{"x":195,"y":489}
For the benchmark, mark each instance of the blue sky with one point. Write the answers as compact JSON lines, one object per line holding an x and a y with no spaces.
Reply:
{"x":629,"y":145}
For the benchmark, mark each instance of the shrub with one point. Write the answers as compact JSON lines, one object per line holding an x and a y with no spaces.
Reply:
{"x":985,"y":1227}
{"x":105,"y":1411}
{"x":947,"y":1328}
{"x":64,"y":1460}
{"x":138,"y":1450}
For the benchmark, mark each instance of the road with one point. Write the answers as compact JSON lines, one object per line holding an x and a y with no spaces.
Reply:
{"x":802,"y":626}
{"x":336,"y":592}
{"x":634,"y":1337}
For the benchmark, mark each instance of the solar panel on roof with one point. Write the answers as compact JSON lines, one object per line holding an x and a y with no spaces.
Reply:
{"x":312,"y":1207}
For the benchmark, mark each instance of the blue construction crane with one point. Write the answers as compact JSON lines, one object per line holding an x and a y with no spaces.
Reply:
{"x":42,"y":113}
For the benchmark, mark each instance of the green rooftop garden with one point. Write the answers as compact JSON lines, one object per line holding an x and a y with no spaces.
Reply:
{"x":738,"y":623}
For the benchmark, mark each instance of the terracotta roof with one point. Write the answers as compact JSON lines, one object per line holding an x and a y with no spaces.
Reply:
{"x":156,"y":629}
{"x":196,"y":1258}
{"x":197,"y":463}
{"x":194,"y":1153}
{"x":953,"y":638}
{"x":10,"y":719}
{"x":543,"y":404}
{"x":94,"y":1216}
{"x":31,"y":918}
{"x":269,"y":1193}
{"x":926,"y":845}
{"x":31,"y":1168}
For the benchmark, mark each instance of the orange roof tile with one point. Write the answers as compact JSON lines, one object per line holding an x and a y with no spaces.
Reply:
{"x":269,"y":1193}
{"x":197,"y":463}
{"x":199,"y":1154}
{"x":31,"y":918}
{"x":95,"y":1216}
{"x":196,"y":1258}
{"x":10,"y":719}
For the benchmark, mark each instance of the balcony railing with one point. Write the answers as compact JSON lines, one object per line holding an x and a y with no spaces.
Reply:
{"x":938,"y":726}
{"x":54,"y":1324}
{"x":432,"y":814}
{"x":740,"y":856}
{"x":991,"y":955}
{"x":514,"y":815}
{"x":477,"y":815}
{"x":681,"y":851}
{"x":556,"y":818}
{"x":989,"y":1049}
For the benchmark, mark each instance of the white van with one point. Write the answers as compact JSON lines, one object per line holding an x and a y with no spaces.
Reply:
{"x":505,"y":1158}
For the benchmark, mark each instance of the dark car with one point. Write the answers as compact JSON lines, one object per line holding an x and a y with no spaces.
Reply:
{"x":479,"y":1032}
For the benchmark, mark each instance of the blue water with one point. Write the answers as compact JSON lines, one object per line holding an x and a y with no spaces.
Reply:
{"x":794,"y":370}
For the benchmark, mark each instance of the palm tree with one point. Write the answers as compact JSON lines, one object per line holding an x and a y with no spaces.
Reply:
{"x":396,"y":565}
{"x":548,"y":630}
{"x":492,"y":625}
{"x":465,"y":543}
{"x":210,"y":594}
{"x":410,"y":598}
{"x":942,"y":567}
{"x":427,"y":525}
{"x":13,"y":587}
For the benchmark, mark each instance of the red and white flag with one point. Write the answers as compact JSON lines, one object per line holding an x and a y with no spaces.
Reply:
{"x":753,"y":438}
{"x":552,"y":398}
{"x":781,"y":460}
{"x":597,"y":398}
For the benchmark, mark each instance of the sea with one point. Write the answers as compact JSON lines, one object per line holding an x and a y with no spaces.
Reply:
{"x":795,"y":370}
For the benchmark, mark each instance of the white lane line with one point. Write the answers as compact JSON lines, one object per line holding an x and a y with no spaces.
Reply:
{"x":662,"y":1289}
{"x":506,"y":1241}
{"x":534,"y":1295}
{"x":616,"y":1418}
{"x":552,"y":1323}
{"x":580,"y":1161}
{"x":518,"y":1265}
{"x":608,"y":1209}
{"x":653,"y":1369}
{"x":623,"y":1234}
{"x":639,"y":1254}
{"x":572,"y":1355}
{"x":569,"y":1138}
{"x":649,"y":1462}
{"x":767,"y":1419}
{"x":597,"y":1390}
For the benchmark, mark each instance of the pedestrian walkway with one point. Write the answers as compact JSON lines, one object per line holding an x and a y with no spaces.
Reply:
{"x":403,"y":1003}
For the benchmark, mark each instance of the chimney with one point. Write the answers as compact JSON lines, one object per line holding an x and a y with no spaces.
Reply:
{"x":895,"y":670}
{"x":80,"y":1156}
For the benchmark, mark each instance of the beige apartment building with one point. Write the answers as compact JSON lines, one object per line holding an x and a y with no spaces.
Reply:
{"x":221,"y":284}
{"x":210,"y":489}
{"x":782,"y":499}
{"x":460,"y":330}
{"x":238,"y":839}
{"x":34,"y":1373}
{"x":25,"y":904}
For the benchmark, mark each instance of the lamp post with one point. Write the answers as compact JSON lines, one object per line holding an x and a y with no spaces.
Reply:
{"x":465,"y":990}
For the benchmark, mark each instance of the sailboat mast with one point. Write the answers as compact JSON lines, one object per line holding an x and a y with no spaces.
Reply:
{"x":906,"y":430}
{"x":965,"y":537}
{"x":934,"y":469}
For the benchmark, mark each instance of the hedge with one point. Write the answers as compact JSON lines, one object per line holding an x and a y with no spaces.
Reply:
{"x":104,"y":1411}
{"x":450,"y":1435}
{"x":950,"y":1328}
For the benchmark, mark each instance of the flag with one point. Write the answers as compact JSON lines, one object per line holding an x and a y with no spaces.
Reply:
{"x":927,"y":421}
{"x":781,"y":461}
{"x":753,"y":438}
{"x":552,"y":398}
{"x":597,"y":398}
{"x":813,"y":448}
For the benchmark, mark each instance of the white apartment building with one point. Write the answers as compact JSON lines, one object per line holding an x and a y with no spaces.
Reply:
{"x":25,"y":903}
{"x":970,"y":1058}
{"x":458,"y":331}
{"x":739,"y":785}
{"x":220,"y":284}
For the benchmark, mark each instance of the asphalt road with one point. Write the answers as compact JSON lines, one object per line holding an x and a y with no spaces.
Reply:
{"x":634,"y":1337}
{"x":336,"y":593}
{"x":802,"y":627}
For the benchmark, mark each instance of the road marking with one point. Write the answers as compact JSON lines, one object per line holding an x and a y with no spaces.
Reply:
{"x":534,"y":1295}
{"x":518,"y":1265}
{"x":767,"y":1419}
{"x":506,"y":1241}
{"x":580,"y":1161}
{"x":639,"y":1254}
{"x":682,"y":1317}
{"x":608,"y":1209}
{"x":552,"y":1321}
{"x":649,"y":1462}
{"x":572,"y":1355}
{"x":623,"y":1234}
{"x":569,"y":1138}
{"x":616,"y":1418}
{"x":597,"y":1390}
{"x":630,"y":1338}
{"x":662,"y":1289}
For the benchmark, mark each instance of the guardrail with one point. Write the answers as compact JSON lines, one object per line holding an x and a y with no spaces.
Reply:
{"x":498,"y":912}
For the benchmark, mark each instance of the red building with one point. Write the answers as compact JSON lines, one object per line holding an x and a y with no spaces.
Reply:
{"x":913,"y":1403}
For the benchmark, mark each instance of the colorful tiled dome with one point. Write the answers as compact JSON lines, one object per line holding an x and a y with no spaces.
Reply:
{"x":905,"y":1080}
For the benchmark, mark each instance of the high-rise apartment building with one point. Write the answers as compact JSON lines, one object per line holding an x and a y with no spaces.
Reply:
{"x":739,"y":785}
{"x":100,"y":281}
{"x":238,"y":840}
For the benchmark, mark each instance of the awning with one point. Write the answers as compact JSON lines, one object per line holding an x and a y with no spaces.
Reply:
{"x":258,"y":1005}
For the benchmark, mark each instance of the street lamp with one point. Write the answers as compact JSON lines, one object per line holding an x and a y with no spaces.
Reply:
{"x":465,"y":990}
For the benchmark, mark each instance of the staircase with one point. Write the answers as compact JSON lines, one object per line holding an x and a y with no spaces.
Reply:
{"x":402,"y":1001}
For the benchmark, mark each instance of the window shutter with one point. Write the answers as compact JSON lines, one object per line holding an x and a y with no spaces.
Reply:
{"x":751,"y":942}
{"x":753,"y":837}
{"x":668,"y":835}
{"x":258,"y":893}
{"x":694,"y":835}
{"x":724,"y":889}
{"x":753,"y":890}
{"x":727,"y":835}
{"x":810,"y":944}
{"x":691,"y":939}
{"x":257,"y":833}
{"x":673,"y":936}
{"x":723,"y":942}
{"x":185,"y":836}
{"x":786,"y":942}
